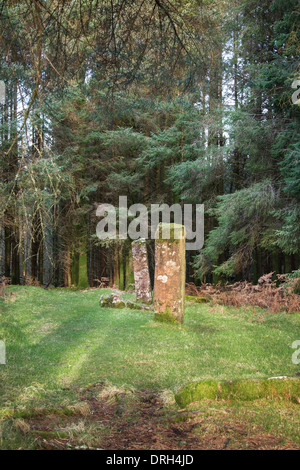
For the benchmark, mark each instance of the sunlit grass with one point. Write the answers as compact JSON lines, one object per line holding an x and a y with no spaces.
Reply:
{"x":59,"y":340}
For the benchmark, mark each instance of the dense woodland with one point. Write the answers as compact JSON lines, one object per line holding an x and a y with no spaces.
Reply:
{"x":160,"y":101}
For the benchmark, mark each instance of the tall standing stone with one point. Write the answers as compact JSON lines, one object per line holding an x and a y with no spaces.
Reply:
{"x":141,"y":271}
{"x":169,"y":284}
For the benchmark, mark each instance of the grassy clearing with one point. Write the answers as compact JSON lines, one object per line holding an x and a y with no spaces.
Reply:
{"x":60,"y":341}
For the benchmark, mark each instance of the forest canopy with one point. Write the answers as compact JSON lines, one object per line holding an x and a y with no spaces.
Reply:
{"x":160,"y":101}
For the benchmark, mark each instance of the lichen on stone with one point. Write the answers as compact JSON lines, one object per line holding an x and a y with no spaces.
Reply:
{"x":169,"y":282}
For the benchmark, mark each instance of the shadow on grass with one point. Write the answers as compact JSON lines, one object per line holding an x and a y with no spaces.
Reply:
{"x":90,"y":344}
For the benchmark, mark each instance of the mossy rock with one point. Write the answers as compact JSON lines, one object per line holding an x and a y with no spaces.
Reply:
{"x":135,"y":305}
{"x":243,"y":390}
{"x":112,"y":301}
{"x":116,"y":301}
{"x":139,"y":305}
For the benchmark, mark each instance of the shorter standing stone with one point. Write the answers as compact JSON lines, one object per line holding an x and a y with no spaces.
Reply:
{"x":169,"y":284}
{"x":141,"y":271}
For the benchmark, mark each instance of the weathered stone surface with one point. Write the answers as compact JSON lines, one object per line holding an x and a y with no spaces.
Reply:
{"x":114,"y":300}
{"x":141,"y":271}
{"x":169,"y":284}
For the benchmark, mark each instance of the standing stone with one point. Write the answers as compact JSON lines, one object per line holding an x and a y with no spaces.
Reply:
{"x":169,"y":284}
{"x":141,"y":271}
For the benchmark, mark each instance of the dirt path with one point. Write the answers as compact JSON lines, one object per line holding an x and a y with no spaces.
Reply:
{"x":145,"y":424}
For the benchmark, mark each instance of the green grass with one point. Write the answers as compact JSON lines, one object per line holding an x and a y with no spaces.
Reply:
{"x":59,"y":342}
{"x":241,"y":421}
{"x":287,"y":389}
{"x":60,"y":339}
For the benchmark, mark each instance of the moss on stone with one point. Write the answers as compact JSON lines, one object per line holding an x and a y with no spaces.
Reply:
{"x":176,"y":232}
{"x":166,"y":317}
{"x":140,"y":241}
{"x":112,"y":301}
{"x":116,"y":301}
{"x":243,"y":390}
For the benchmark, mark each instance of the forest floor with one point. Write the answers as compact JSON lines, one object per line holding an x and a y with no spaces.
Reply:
{"x":81,"y":376}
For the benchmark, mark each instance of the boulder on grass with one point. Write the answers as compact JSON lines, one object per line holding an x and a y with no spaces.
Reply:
{"x":114,"y":300}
